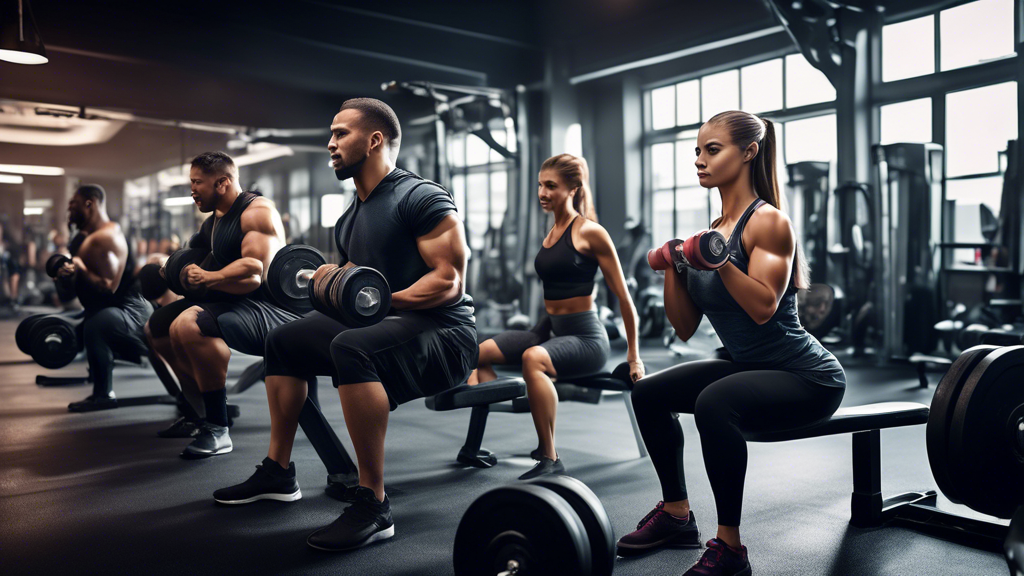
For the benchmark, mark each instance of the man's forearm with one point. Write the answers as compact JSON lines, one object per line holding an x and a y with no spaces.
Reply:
{"x":242,"y":273}
{"x":436,"y":288}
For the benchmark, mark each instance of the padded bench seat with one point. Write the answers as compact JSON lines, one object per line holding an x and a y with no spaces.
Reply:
{"x":867,"y":507}
{"x":466,"y":396}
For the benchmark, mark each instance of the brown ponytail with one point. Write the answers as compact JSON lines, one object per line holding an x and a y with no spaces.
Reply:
{"x":575,"y":173}
{"x":745,"y":129}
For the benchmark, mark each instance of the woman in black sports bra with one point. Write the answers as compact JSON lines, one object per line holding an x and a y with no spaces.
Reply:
{"x":570,"y":341}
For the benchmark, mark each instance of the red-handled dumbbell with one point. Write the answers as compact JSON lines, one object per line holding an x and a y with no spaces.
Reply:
{"x":705,"y":250}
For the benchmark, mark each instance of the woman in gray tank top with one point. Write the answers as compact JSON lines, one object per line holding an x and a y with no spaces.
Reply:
{"x":777,"y":376}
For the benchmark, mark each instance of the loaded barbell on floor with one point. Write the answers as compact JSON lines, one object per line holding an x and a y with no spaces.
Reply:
{"x":50,"y":339}
{"x":548,"y":526}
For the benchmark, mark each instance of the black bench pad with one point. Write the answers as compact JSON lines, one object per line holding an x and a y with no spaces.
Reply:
{"x":852,"y":419}
{"x":466,"y":396}
{"x":617,"y":380}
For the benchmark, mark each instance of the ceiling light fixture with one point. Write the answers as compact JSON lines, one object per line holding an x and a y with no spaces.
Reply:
{"x":20,"y":42}
{"x":33,"y":170}
{"x":11,"y":179}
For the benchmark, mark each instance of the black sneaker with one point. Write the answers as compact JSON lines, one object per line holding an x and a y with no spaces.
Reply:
{"x":544,"y":467}
{"x":181,"y":428}
{"x":657,"y":529}
{"x":721,"y":560}
{"x":210,"y":441}
{"x":269,"y":482}
{"x":362,"y":523}
{"x":94,"y":403}
{"x":536,"y":454}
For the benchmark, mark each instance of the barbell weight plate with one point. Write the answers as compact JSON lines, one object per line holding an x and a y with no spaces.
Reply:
{"x":281,"y":276}
{"x":351,"y":305}
{"x":54,"y":264}
{"x":151,"y":283}
{"x":176,"y":262}
{"x":595,"y":519}
{"x":23,"y":334}
{"x":712,"y":249}
{"x":986,"y":452}
{"x":54,"y":343}
{"x":940,"y":415}
{"x":529,"y":524}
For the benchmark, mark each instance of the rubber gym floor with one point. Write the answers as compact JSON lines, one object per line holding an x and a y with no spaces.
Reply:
{"x":98,"y":493}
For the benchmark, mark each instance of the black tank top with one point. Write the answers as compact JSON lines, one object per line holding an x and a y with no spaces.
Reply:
{"x":781,"y":343}
{"x":92,"y":299}
{"x":565,"y":272}
{"x":223,"y":237}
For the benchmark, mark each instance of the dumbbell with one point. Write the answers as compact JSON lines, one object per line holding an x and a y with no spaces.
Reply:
{"x":357,"y":296}
{"x":706,"y":250}
{"x":53,"y":342}
{"x":548,"y":526}
{"x":23,"y":334}
{"x":151,"y":283}
{"x":176,"y":276}
{"x":54,"y":263}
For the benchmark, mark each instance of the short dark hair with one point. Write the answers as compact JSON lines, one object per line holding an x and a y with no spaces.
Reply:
{"x":92,"y":192}
{"x":216,"y":163}
{"x":377,"y":116}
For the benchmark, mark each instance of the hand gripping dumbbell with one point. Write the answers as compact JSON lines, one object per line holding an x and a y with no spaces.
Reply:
{"x":705,"y":250}
{"x":177,"y":277}
{"x":54,"y":263}
{"x":356,"y":296}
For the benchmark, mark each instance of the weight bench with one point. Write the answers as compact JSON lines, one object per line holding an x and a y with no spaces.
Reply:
{"x":922,"y":361}
{"x":484,"y":398}
{"x":867,"y":507}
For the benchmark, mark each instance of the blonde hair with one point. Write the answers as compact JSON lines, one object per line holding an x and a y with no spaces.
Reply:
{"x":575,"y":173}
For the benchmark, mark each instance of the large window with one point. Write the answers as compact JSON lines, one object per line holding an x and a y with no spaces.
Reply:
{"x":480,"y":180}
{"x":788,"y":90}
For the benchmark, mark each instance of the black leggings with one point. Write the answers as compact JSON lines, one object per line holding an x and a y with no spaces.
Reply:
{"x":726,"y":400}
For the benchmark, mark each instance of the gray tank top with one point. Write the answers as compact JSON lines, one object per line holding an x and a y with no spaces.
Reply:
{"x":779,"y":344}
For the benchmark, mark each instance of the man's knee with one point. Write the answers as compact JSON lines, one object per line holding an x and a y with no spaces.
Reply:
{"x":184,"y":329}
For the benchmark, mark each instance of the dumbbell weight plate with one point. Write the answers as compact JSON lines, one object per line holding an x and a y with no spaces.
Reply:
{"x":940,"y":415}
{"x":54,"y":264}
{"x":364,"y":297}
{"x":595,"y":520}
{"x":986,"y":442}
{"x":23,"y":334}
{"x":54,"y":344}
{"x":281,"y":276}
{"x":528,"y":524}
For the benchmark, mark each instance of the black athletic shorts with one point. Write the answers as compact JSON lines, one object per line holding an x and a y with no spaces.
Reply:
{"x":411,"y":353}
{"x":243,"y":323}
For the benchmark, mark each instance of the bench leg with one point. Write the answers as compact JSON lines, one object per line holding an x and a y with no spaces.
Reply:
{"x":866,"y":500}
{"x":627,"y":397}
{"x":340,"y":468}
{"x":922,"y":375}
{"x":471,"y":453}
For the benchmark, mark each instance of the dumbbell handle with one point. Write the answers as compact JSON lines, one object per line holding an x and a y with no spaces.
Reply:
{"x":302,"y":277}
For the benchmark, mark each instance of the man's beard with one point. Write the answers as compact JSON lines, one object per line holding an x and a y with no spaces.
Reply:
{"x":346,"y":172}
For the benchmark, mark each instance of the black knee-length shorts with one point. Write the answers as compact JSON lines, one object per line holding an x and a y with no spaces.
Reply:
{"x":243,"y":324}
{"x":411,"y":353}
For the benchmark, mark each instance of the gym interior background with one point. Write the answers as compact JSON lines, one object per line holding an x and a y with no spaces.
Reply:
{"x":897,"y":124}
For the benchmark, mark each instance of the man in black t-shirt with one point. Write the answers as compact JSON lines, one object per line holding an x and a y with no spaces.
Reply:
{"x":408,"y":229}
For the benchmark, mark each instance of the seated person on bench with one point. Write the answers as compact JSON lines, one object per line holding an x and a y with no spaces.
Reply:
{"x":101,"y":274}
{"x":779,"y":377}
{"x":567,"y":262}
{"x":196,"y":338}
{"x":408,"y":229}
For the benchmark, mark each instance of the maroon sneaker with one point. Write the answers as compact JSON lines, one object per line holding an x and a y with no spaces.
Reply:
{"x":657,"y":529}
{"x":720,"y":560}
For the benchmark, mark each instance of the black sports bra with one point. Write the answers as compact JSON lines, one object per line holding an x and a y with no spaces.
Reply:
{"x":565,"y":272}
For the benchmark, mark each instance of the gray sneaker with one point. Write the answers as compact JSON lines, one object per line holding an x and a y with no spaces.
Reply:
{"x":544,"y":467}
{"x":210,"y":441}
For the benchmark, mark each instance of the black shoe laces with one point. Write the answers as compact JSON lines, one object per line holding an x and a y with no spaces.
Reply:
{"x":361,"y":512}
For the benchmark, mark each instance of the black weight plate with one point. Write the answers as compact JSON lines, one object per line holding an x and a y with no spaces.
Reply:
{"x":529,"y":524}
{"x":590,"y":510}
{"x":23,"y":334}
{"x":985,"y":452}
{"x":940,"y":415}
{"x":54,"y":344}
{"x":54,"y":263}
{"x":151,"y":283}
{"x":281,"y":281}
{"x":175,"y":265}
{"x":352,"y":281}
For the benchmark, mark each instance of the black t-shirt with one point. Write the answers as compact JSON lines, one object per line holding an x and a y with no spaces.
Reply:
{"x":381,"y":233}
